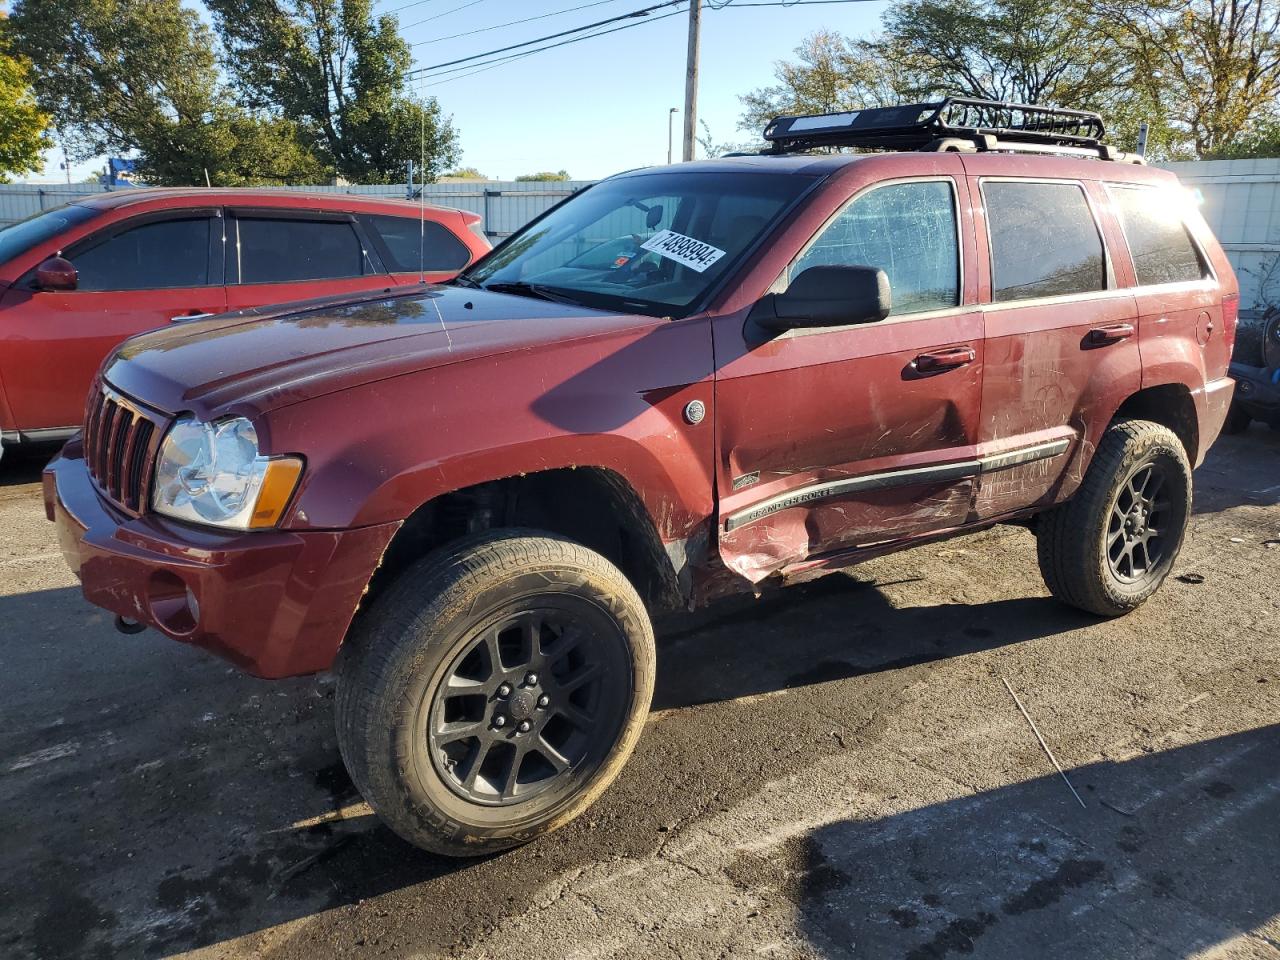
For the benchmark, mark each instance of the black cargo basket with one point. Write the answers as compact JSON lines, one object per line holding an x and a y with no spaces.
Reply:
{"x":986,"y":124}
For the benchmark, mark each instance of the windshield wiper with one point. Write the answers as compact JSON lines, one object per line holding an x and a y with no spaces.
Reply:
{"x":522,"y":288}
{"x":467,"y":282}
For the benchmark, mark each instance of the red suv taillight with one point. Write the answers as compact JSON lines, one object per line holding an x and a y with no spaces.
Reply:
{"x":1230,"y":317}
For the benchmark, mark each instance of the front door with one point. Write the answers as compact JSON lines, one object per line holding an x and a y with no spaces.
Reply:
{"x":281,"y":256}
{"x":132,"y":276}
{"x":839,"y":438}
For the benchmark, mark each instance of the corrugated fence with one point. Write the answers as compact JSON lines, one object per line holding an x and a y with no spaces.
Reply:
{"x":505,"y":205}
{"x":1241,"y":203}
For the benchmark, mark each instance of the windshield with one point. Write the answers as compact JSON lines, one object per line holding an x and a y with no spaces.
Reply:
{"x":22,"y":236}
{"x":652,"y":243}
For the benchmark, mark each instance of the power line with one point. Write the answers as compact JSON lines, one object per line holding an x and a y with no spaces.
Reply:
{"x":643,"y":11}
{"x":462,"y":64}
{"x":490,"y":64}
{"x":445,"y":13}
{"x":405,"y":6}
{"x":512,"y":23}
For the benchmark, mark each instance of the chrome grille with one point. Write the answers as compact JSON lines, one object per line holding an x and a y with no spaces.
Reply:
{"x":121,"y":440}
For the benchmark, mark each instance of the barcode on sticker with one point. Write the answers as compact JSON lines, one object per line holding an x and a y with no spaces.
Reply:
{"x":694,"y":254}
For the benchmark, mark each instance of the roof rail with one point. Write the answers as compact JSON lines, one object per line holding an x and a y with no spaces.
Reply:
{"x":958,"y":124}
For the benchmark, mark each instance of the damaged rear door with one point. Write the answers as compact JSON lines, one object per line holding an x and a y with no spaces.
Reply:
{"x":841,"y":437}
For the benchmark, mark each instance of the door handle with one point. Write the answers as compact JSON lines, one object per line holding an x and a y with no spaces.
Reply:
{"x":184,"y":317}
{"x":947,"y":359}
{"x":1111,"y":333}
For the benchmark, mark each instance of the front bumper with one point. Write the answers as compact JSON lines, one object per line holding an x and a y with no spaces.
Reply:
{"x":1258,"y":391}
{"x":276,"y":603}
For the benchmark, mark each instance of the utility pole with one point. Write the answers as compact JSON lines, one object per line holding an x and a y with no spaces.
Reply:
{"x":671,"y":120}
{"x":691,"y":80}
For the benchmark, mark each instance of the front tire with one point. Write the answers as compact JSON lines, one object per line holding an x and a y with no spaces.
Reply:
{"x":495,"y":691}
{"x":1110,"y":547}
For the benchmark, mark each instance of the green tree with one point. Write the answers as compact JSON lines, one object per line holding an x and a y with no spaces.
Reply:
{"x":830,"y":73}
{"x":1212,"y":65}
{"x":23,"y":125}
{"x":139,"y":76}
{"x":547,"y":176}
{"x":1021,"y":51}
{"x":342,"y":75}
{"x":711,"y":149}
{"x":464,"y":173}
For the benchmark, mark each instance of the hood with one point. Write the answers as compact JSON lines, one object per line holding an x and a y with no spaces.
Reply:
{"x":271,"y":357}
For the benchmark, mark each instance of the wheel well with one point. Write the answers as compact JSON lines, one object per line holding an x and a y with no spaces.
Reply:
{"x":1171,"y":406}
{"x":590,"y":505}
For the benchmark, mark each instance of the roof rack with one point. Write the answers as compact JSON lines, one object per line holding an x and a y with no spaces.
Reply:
{"x":957,"y":124}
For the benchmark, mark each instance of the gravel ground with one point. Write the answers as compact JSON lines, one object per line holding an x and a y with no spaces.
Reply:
{"x":835,"y":770}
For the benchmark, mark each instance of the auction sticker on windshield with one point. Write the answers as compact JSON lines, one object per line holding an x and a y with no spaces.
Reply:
{"x":694,"y":254}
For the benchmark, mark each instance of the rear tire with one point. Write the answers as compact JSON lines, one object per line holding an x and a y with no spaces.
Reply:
{"x":1110,"y":547}
{"x":494,"y":691}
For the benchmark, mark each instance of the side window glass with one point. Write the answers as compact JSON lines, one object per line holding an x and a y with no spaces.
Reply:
{"x":1044,"y":240}
{"x":280,"y":251}
{"x":158,"y":255}
{"x":413,"y":241}
{"x":1157,"y":236}
{"x":906,"y":229}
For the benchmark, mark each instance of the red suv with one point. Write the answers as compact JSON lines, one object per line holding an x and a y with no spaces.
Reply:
{"x":683,"y":381}
{"x":77,"y":280}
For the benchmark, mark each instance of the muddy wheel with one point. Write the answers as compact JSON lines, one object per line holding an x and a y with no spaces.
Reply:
{"x":494,"y":691}
{"x":1108,"y":548}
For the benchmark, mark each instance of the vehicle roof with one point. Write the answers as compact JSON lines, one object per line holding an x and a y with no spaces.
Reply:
{"x":820,"y":165}
{"x":268,"y":196}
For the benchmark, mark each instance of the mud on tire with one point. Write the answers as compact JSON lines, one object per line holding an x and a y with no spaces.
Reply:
{"x":494,"y":691}
{"x":1110,"y":547}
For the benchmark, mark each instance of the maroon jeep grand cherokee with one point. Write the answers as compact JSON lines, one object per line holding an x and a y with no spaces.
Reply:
{"x":467,"y":499}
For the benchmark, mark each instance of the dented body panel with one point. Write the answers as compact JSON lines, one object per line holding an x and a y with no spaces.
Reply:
{"x":737,"y":455}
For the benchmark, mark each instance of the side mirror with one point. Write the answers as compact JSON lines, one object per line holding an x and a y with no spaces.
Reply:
{"x":827,"y":297}
{"x":56,"y":273}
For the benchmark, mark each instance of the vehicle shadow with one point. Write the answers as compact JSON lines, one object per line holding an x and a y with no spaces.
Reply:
{"x":1175,"y":853}
{"x":21,"y":465}
{"x":1240,"y":470}
{"x":833,"y":628}
{"x":158,"y":801}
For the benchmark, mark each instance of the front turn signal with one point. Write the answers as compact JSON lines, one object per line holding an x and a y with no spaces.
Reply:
{"x":278,"y":485}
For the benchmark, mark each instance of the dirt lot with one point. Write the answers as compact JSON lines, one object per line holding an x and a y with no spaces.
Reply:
{"x":835,"y":770}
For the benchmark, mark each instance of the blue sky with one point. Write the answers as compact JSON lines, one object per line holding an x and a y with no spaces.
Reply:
{"x":599,"y":106}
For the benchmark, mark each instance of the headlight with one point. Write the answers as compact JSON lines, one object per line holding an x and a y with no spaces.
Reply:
{"x":212,"y":473}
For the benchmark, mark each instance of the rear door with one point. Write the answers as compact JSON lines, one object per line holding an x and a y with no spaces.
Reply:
{"x":1179,"y":301}
{"x":134,"y":275}
{"x":414,"y":248}
{"x":1062,"y":346}
{"x":837,"y":438}
{"x":282,"y":255}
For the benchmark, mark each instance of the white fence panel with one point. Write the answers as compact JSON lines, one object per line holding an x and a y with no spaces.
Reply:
{"x":505,"y":205}
{"x":1241,"y":202}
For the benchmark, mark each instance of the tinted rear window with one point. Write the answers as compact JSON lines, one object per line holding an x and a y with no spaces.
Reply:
{"x":20,"y":237}
{"x":1044,"y":241}
{"x":413,"y":244}
{"x":1157,"y":236}
{"x":281,"y":251}
{"x":166,"y":253}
